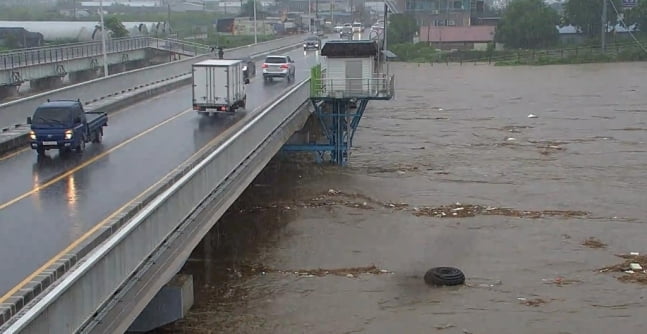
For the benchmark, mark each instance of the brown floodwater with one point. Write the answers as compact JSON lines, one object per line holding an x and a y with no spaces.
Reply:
{"x":452,"y":172}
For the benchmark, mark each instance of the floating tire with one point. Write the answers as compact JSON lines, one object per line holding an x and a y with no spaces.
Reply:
{"x":444,"y":276}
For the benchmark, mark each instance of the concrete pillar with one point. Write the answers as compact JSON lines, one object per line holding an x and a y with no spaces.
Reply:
{"x":170,"y":304}
{"x":8,"y":91}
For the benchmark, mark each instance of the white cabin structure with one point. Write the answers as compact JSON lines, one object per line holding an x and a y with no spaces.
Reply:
{"x":351,"y":69}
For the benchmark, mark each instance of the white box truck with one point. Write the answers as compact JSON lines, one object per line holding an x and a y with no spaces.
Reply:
{"x":218,"y":85}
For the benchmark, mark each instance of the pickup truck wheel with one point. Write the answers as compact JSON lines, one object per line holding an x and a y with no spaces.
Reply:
{"x":98,"y":137}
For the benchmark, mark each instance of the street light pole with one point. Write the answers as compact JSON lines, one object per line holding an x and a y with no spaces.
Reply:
{"x":103,"y":40}
{"x":255,"y":34}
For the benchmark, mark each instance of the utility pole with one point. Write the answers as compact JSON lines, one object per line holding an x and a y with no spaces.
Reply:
{"x":604,"y":26}
{"x":386,"y":25}
{"x":103,"y":40}
{"x":309,"y":16}
{"x":255,"y":33}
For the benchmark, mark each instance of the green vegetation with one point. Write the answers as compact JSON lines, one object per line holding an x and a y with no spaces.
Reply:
{"x":114,"y":24}
{"x":638,"y":15}
{"x":586,"y":14}
{"x":402,"y":28}
{"x":626,"y":50}
{"x":528,"y":24}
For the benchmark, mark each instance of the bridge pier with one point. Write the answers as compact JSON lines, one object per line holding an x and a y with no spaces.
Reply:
{"x":170,"y":304}
{"x":46,"y":83}
{"x":81,"y":76}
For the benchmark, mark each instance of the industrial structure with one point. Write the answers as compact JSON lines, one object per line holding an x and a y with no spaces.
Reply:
{"x":351,"y":75}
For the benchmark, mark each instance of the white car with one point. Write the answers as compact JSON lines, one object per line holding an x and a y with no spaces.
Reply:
{"x":278,"y":67}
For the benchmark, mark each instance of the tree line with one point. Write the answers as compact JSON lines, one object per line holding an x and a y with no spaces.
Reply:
{"x":530,"y":24}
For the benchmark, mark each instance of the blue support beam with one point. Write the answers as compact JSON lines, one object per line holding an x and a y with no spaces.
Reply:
{"x":338,"y":123}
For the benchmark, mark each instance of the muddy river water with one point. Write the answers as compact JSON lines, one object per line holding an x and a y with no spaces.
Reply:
{"x":451,"y":172}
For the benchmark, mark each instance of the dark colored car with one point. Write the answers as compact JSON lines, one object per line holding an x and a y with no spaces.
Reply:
{"x":249,"y":68}
{"x":312,"y":43}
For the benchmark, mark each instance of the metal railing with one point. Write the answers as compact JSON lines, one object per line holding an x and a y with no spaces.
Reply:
{"x":380,"y":86}
{"x":52,"y":54}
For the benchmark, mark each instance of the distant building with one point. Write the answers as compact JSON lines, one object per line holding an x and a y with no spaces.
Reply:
{"x":18,"y":38}
{"x":460,"y":38}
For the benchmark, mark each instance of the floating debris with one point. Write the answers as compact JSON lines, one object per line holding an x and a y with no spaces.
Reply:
{"x":462,"y":211}
{"x":535,"y":302}
{"x":631,"y":268}
{"x":594,"y":243}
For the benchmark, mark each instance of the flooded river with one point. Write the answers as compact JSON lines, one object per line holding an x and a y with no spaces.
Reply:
{"x":453,"y":172}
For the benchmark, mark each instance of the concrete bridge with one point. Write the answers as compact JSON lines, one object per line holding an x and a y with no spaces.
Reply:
{"x":113,"y":235}
{"x":44,"y":67}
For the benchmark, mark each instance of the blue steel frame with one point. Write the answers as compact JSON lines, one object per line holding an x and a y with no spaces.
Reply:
{"x":338,"y":123}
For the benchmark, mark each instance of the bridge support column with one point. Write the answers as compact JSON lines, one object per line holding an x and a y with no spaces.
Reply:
{"x":81,"y":76}
{"x":46,"y":83}
{"x":337,"y":125}
{"x":170,"y":304}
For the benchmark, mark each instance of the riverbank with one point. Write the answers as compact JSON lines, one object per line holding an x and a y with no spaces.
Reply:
{"x":615,"y":52}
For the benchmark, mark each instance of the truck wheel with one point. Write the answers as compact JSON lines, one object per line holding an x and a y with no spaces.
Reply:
{"x":81,"y":147}
{"x":98,"y":137}
{"x":244,"y":103}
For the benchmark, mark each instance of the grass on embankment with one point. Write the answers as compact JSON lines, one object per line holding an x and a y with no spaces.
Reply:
{"x":616,"y":52}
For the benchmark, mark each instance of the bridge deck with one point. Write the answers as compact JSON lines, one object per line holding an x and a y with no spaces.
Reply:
{"x":56,"y":202}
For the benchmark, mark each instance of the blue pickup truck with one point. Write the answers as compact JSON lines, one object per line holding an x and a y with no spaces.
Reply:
{"x":64,"y":125}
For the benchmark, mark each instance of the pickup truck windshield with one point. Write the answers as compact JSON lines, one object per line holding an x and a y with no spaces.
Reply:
{"x":52,"y":117}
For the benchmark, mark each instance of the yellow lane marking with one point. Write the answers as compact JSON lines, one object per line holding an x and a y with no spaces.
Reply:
{"x":13,"y":154}
{"x":89,"y":161}
{"x":95,"y":228}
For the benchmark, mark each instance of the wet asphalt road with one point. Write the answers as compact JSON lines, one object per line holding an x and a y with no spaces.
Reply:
{"x":47,"y":203}
{"x":455,"y":138}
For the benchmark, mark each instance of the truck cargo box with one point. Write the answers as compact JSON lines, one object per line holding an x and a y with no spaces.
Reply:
{"x":218,"y":84}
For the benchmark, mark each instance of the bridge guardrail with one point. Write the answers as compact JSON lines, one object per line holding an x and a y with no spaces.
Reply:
{"x":141,"y":233}
{"x":15,"y":112}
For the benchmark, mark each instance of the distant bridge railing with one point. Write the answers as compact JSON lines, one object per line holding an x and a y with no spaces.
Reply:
{"x":53,"y":54}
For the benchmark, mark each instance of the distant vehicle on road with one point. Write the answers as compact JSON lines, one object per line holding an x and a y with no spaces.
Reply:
{"x":357,"y":27}
{"x":219,"y":85}
{"x":64,"y":125}
{"x":312,"y":43}
{"x":278,"y":67}
{"x":346,"y":33}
